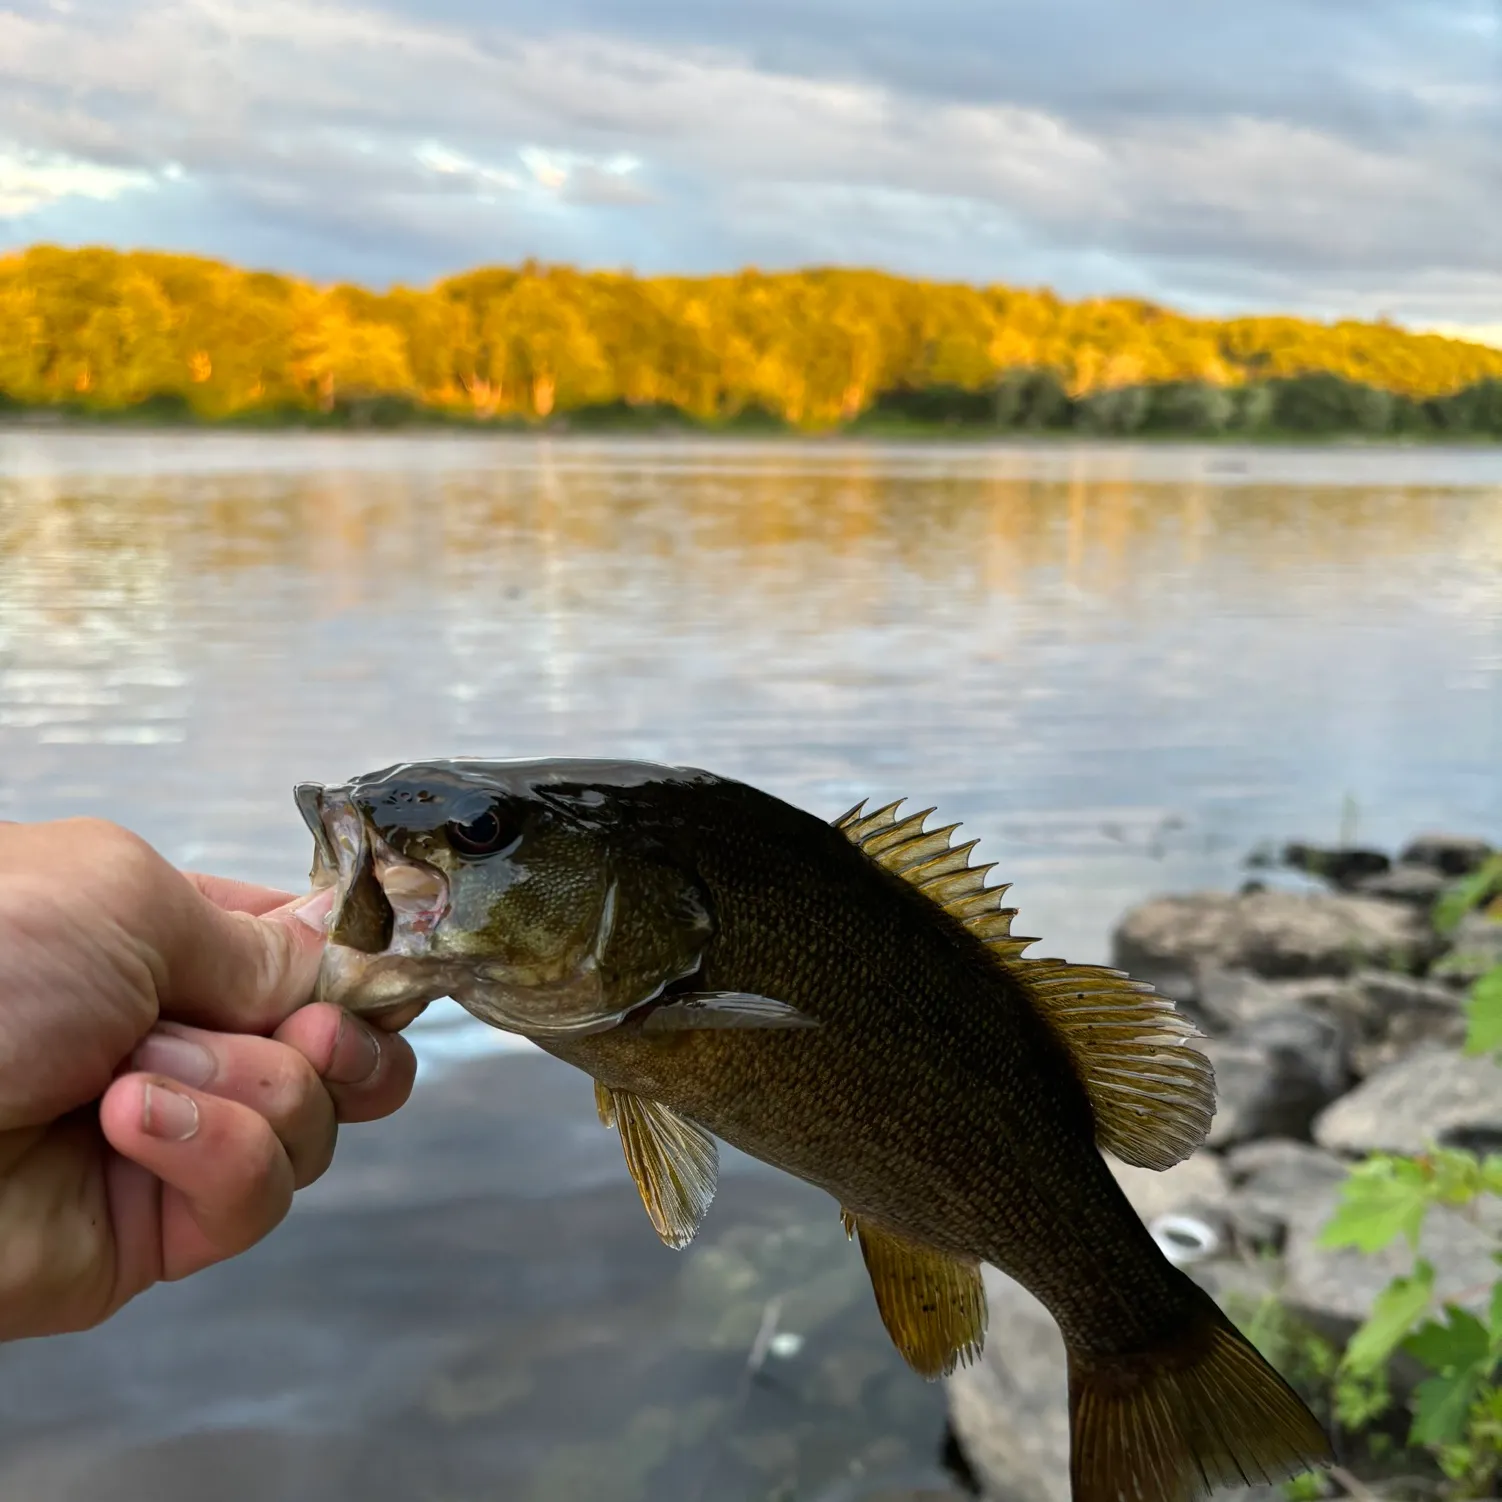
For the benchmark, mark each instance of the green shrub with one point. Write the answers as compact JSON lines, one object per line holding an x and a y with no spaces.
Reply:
{"x":1455,"y":1413}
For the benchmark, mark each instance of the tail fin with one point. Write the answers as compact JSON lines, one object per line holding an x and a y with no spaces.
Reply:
{"x":1169,"y":1425}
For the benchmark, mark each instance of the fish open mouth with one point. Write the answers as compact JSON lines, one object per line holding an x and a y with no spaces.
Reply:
{"x":381,"y":952}
{"x":386,"y":909}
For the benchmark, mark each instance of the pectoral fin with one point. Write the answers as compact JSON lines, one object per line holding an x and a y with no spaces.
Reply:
{"x":933,"y":1305}
{"x":674,"y":1162}
{"x":723,"y":1009}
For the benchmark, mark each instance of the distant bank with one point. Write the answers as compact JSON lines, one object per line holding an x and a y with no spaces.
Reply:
{"x":99,"y":335}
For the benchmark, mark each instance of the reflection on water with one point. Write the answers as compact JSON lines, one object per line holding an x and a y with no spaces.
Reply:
{"x":1121,"y":668}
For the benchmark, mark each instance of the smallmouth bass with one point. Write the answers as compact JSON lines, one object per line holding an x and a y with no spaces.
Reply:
{"x":845,"y":1002}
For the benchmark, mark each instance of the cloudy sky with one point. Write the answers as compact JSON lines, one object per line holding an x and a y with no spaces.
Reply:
{"x":1323,"y":156}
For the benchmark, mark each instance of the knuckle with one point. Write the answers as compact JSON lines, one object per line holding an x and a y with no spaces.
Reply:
{"x":116,"y":852}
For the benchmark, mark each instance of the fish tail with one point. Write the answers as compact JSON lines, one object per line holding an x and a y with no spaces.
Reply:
{"x":1202,"y":1410}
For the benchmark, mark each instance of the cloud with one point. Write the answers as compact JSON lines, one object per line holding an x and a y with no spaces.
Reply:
{"x":1477,"y":333}
{"x":1321,"y":155}
{"x":31,"y":180}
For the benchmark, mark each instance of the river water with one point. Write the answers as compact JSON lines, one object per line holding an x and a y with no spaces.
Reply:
{"x":1123,"y":668}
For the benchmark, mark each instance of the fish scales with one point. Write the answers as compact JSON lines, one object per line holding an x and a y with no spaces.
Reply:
{"x":931,"y":1098}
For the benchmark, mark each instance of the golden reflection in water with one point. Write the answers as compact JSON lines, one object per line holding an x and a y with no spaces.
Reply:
{"x":1059,"y":644}
{"x":829,"y":544}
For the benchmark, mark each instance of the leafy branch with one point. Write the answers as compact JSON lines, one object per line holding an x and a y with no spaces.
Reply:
{"x":1456,"y":1411}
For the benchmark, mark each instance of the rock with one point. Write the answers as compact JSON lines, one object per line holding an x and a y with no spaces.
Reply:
{"x":1420,"y":885}
{"x":1449,"y":854}
{"x":1387,"y":997}
{"x":1334,"y":1289}
{"x":1281,"y":934}
{"x":1274,"y":1075}
{"x":1342,"y":866}
{"x":1166,"y":941}
{"x":1198,"y":1183}
{"x":1010,"y":1411}
{"x":1275,"y":935}
{"x":1401,"y":1015}
{"x":1435,"y":1095}
{"x":926,"y":1494}
{"x":1278,"y":1171}
{"x":1230,"y":999}
{"x":1406,"y":882}
{"x":1267,"y":1178}
{"x":1475,"y":946}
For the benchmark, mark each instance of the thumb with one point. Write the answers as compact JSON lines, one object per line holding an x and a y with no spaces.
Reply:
{"x":242,"y":972}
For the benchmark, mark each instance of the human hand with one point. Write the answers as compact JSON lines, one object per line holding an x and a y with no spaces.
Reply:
{"x":163,"y":1087}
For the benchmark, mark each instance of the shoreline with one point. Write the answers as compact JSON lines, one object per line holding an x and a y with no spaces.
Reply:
{"x":875,"y":433}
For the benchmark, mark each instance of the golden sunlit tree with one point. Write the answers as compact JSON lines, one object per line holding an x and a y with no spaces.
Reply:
{"x":103,"y":331}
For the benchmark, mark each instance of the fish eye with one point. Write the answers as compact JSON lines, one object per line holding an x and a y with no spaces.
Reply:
{"x":489,"y":830}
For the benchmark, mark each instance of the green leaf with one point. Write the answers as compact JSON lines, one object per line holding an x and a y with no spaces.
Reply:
{"x":1462,"y":1341}
{"x":1485,"y":1012}
{"x":1494,"y":1321}
{"x":1393,"y":1313}
{"x":1441,"y":1406}
{"x":1466,"y":894}
{"x":1381,"y":1200}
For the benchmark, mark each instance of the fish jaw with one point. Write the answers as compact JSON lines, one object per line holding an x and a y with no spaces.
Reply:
{"x":386,"y":910}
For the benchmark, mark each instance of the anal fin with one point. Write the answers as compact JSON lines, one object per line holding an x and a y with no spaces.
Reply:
{"x":933,"y":1305}
{"x":675,"y":1164}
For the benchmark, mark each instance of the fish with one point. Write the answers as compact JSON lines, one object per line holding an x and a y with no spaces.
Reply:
{"x":846,"y":1001}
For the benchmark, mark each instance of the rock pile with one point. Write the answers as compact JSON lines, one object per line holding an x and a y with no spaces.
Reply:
{"x":1334,"y":1019}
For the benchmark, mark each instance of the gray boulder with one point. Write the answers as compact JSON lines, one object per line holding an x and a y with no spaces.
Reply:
{"x":1400,"y":1014}
{"x":1275,"y":1075}
{"x":1334,"y":1289}
{"x":1475,"y":946}
{"x":1436,"y":1095}
{"x":1420,"y":885}
{"x":1449,"y":854}
{"x":1340,"y":865}
{"x":1229,"y":999}
{"x":1276,"y":935}
{"x":1010,"y":1411}
{"x":1267,"y":1178}
{"x":1198,"y":1183}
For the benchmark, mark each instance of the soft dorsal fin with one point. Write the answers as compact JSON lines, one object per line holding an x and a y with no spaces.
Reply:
{"x":674,"y":1163}
{"x":1152,"y":1091}
{"x":933,"y":1305}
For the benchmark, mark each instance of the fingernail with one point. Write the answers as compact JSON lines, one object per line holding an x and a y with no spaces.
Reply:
{"x":357,"y":1053}
{"x":314,"y":910}
{"x":177,"y":1057}
{"x":167,"y":1115}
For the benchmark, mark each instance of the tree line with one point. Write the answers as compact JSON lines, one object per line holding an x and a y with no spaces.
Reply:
{"x":102,"y":332}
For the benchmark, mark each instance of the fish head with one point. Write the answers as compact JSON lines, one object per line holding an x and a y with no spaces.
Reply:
{"x":517,"y":888}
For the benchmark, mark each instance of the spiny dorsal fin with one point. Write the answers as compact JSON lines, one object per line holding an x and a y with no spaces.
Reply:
{"x":1152,"y":1092}
{"x":934,"y":1307}
{"x":674,"y":1163}
{"x":940,"y":870}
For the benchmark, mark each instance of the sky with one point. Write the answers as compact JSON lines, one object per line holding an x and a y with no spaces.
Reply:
{"x":1322,"y":157}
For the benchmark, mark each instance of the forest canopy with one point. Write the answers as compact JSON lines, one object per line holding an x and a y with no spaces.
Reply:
{"x":101,"y":331}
